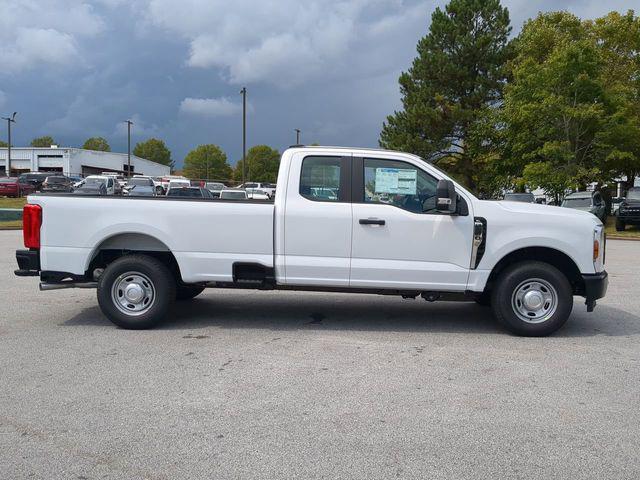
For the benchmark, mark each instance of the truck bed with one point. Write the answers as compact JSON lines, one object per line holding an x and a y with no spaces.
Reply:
{"x":205,"y":236}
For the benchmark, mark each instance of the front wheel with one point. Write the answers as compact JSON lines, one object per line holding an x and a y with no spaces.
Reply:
{"x":136,"y":291}
{"x":532,"y":299}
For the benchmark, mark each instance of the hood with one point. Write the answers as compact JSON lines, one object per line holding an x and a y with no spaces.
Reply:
{"x":542,"y":210}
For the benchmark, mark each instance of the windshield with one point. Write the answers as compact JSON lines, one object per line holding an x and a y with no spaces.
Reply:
{"x":215,"y":186}
{"x":94,"y":182}
{"x":576,"y":202}
{"x":7,"y":180}
{"x":633,"y":194}
{"x":140,"y":181}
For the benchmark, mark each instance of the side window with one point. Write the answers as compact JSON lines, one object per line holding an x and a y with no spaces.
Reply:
{"x":399,"y":184}
{"x":320,"y":179}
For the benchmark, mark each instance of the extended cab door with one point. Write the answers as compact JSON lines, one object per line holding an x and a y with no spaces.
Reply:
{"x":317,"y":221}
{"x":399,"y":239}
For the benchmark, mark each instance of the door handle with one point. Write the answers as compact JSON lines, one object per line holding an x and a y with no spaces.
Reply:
{"x":371,"y":221}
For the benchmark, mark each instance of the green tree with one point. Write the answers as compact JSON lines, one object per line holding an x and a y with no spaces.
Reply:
{"x":263,"y":162}
{"x":555,"y":106}
{"x":154,"y":150}
{"x":97,"y":143}
{"x":207,"y":162}
{"x":3,"y":144}
{"x":45,"y":141}
{"x":452,"y":87}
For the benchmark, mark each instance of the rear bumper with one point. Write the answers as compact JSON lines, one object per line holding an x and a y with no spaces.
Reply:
{"x":28,"y":263}
{"x":595,"y":287}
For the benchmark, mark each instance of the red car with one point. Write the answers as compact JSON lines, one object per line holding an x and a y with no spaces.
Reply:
{"x":11,"y":187}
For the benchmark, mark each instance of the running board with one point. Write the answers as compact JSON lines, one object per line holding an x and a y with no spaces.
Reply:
{"x":59,"y":286}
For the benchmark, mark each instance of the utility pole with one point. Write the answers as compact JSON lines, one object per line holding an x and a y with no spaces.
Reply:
{"x":10,"y":120}
{"x":297,"y":136}
{"x":129,"y":123}
{"x":244,"y":135}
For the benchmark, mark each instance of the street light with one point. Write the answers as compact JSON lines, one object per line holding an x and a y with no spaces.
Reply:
{"x":10,"y":120}
{"x":243,"y":92}
{"x":129,"y":123}
{"x":297,"y":130}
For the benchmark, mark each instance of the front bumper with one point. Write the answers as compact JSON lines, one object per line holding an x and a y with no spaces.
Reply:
{"x":28,"y":263}
{"x":595,"y":287}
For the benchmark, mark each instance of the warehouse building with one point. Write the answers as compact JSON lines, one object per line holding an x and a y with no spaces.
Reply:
{"x":75,"y":161}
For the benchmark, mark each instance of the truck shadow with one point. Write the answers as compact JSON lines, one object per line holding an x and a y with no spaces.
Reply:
{"x":361,"y":313}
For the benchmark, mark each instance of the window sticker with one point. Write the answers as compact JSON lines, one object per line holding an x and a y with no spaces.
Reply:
{"x":402,"y":181}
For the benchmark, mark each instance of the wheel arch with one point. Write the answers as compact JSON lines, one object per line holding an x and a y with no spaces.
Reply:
{"x":551,"y":256}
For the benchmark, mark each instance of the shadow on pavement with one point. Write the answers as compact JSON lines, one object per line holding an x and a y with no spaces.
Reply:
{"x":362,"y":313}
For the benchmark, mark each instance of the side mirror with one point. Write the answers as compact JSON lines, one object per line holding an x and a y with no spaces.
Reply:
{"x":446,"y":198}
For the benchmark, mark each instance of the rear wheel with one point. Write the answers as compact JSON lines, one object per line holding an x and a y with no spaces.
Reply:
{"x":620,"y":225}
{"x":187,"y":292}
{"x":532,"y":299}
{"x":136,"y":291}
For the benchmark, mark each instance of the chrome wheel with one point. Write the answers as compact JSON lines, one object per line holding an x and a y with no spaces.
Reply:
{"x":534,"y":300}
{"x":133,"y":293}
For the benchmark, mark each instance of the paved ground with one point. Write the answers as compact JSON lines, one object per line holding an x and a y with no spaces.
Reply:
{"x":296,"y":385}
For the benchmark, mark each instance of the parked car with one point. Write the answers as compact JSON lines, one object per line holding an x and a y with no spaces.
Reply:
{"x":178,"y":182}
{"x":13,"y":187}
{"x":629,"y":211}
{"x":233,"y":194}
{"x":520,"y":197}
{"x":167,"y":179}
{"x":92,"y":186}
{"x":36,"y":178}
{"x":92,"y":181}
{"x":526,"y":260}
{"x":269,"y":188}
{"x":138,"y":181}
{"x":192,"y":192}
{"x":215,"y":188}
{"x":57,"y":184}
{"x":76,"y":180}
{"x":142,"y":191}
{"x":591,"y":202}
{"x":257,"y":194}
{"x":615,"y":204}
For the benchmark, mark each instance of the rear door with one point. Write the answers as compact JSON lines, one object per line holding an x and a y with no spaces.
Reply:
{"x":317,"y":221}
{"x":399,"y":239}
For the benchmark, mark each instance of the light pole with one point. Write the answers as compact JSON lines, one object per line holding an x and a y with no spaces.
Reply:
{"x":297,"y":136}
{"x":129,"y":123}
{"x":10,"y":120}
{"x":244,"y":135}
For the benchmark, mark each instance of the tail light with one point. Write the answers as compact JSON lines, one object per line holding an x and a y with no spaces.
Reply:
{"x":31,"y":222}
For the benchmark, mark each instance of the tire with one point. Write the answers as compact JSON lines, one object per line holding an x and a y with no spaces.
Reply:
{"x":620,"y":225}
{"x":484,"y":299}
{"x":187,"y":292}
{"x":152,"y":290}
{"x":546,"y":286}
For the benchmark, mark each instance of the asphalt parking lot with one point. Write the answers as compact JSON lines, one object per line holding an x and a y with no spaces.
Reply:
{"x":310,"y":385}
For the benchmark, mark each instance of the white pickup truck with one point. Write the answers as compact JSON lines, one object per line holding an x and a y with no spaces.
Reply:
{"x":343,"y":220}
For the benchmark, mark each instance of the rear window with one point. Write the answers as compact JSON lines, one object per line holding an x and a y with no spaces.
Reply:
{"x":141,"y":181}
{"x":184,"y":192}
{"x":320,"y":179}
{"x":233,"y":195}
{"x":56,"y":180}
{"x":7,"y":180}
{"x":576,"y":202}
{"x":633,"y":194}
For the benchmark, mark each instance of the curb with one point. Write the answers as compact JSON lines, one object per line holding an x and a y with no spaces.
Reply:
{"x":617,"y":237}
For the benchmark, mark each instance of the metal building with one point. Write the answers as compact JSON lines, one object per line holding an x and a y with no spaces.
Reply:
{"x":75,"y":161}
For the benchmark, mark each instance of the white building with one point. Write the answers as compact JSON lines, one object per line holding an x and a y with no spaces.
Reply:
{"x":75,"y":161}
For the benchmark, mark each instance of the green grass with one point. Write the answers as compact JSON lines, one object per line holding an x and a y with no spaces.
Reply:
{"x":11,"y":225}
{"x":6,"y":202}
{"x":632,"y":231}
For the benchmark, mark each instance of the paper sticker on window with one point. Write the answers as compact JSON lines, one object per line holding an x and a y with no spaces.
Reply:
{"x":396,"y":180}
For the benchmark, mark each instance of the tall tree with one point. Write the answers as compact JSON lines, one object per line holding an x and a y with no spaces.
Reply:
{"x":555,"y":106}
{"x":99,"y":144}
{"x":452,"y":86}
{"x":207,"y":162}
{"x":3,"y":144}
{"x":45,"y":141}
{"x":263,"y":162}
{"x":154,"y":150}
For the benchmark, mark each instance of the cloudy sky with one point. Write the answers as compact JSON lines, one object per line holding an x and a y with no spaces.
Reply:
{"x":74,"y":68}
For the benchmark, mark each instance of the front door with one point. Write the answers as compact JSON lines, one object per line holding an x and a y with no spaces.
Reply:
{"x":317,"y":224}
{"x":399,"y":239}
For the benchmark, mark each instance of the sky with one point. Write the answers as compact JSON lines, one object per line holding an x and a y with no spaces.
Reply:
{"x":75,"y":69}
